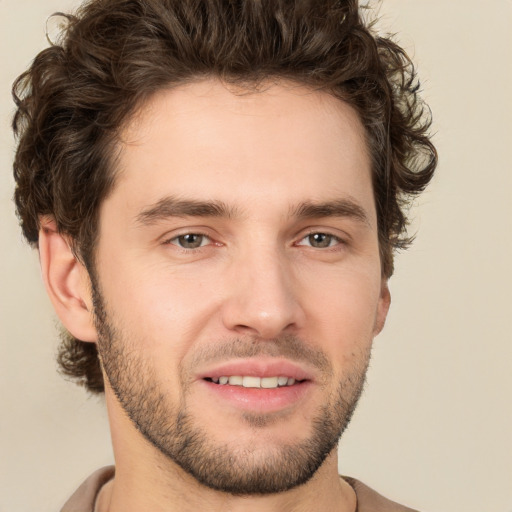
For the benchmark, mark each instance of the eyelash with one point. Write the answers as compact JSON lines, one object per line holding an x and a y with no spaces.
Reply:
{"x":170,"y":241}
{"x":338,"y":241}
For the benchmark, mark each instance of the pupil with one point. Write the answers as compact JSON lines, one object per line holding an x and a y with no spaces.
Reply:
{"x":190,"y":241}
{"x":320,"y":240}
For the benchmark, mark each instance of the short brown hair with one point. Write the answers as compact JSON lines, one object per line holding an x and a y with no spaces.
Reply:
{"x":114,"y":54}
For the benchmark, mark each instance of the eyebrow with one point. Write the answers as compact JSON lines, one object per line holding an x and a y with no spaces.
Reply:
{"x":170,"y":206}
{"x":337,"y":208}
{"x":175,"y":207}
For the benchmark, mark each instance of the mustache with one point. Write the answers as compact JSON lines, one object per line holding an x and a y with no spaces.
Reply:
{"x":288,"y":346}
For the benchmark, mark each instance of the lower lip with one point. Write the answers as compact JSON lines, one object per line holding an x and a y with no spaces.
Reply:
{"x":260,"y":399}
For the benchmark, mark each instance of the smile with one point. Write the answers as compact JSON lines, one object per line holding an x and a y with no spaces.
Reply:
{"x":262,"y":385}
{"x":250,"y":381}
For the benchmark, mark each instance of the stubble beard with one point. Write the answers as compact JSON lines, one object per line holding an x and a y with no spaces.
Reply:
{"x":175,"y":433}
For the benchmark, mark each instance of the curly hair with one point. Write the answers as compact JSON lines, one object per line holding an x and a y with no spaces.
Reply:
{"x":114,"y":54}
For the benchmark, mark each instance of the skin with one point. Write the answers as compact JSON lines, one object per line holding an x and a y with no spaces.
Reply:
{"x":256,"y":276}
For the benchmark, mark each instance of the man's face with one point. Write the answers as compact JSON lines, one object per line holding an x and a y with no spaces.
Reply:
{"x":240,"y":244}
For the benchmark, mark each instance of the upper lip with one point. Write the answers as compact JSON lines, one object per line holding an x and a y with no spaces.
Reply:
{"x":258,"y":367}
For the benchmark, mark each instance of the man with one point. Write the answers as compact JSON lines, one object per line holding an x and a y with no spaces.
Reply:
{"x":216,"y":190}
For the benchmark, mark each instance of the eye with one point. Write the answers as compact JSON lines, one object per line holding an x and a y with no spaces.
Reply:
{"x":190,"y":241}
{"x":320,"y":240}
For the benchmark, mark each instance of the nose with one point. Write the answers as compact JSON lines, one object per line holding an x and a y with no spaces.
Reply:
{"x":263,"y":298}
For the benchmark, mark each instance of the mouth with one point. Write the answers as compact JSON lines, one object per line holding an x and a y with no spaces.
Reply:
{"x":251,"y":381}
{"x":262,"y":385}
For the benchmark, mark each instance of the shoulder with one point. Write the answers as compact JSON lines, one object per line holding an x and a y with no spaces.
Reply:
{"x":369,"y":500}
{"x":84,"y":497}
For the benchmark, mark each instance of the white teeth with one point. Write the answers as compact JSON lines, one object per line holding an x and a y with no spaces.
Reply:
{"x":255,"y":382}
{"x":269,"y":382}
{"x":282,"y":381}
{"x":251,"y":382}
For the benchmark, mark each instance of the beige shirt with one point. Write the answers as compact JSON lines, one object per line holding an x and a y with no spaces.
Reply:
{"x":84,"y":498}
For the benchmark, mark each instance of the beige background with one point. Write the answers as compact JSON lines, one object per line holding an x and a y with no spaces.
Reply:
{"x":434,"y":427}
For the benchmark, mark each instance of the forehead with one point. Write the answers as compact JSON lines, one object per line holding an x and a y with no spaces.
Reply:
{"x":284,"y":143}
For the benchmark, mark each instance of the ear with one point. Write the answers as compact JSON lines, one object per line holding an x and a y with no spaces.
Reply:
{"x":67,"y":282}
{"x":382,"y":307}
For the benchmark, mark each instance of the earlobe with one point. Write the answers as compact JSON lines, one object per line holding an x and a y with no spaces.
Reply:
{"x":66,"y":281}
{"x":382,"y":308}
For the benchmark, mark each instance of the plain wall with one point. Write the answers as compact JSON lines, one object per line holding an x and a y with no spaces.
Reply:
{"x":434,"y":427}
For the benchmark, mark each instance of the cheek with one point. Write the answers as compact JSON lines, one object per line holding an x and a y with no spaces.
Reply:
{"x":343,"y":311}
{"x":162,"y":308}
